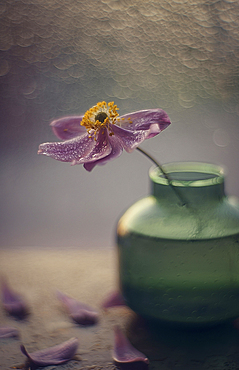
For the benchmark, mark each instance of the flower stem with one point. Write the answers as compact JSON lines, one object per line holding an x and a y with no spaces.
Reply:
{"x":167,"y":177}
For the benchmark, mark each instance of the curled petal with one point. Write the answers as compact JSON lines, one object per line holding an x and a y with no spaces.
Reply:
{"x":13,"y":303}
{"x":124,"y":352}
{"x":8,"y":332}
{"x":101,"y":149}
{"x":79,"y":150}
{"x":113,"y":300}
{"x":143,"y":119}
{"x":67,"y":128}
{"x":54,"y":355}
{"x":79,"y":312}
{"x":130,"y":139}
{"x":116,"y":150}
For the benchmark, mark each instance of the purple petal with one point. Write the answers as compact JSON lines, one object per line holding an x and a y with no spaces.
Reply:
{"x":13,"y":303}
{"x":68,"y":127}
{"x":101,"y":149}
{"x":116,"y":150}
{"x":79,"y":312}
{"x":79,"y":150}
{"x":113,"y":300}
{"x":8,"y":332}
{"x":124,"y":352}
{"x":142,"y":120}
{"x":54,"y":355}
{"x":70,"y":150}
{"x":130,"y":139}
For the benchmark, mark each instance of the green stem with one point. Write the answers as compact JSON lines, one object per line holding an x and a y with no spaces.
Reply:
{"x":168,"y":178}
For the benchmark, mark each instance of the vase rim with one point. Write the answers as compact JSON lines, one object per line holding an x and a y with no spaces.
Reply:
{"x":188,"y":174}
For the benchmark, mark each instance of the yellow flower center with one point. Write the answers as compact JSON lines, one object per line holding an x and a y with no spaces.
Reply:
{"x":99,"y":117}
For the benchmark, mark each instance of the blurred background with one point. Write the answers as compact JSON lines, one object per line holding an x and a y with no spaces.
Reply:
{"x":60,"y":57}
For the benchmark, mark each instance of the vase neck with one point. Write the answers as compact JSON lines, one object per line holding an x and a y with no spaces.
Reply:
{"x":194,"y":182}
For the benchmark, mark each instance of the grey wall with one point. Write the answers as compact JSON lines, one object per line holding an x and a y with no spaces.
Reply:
{"x":61,"y":57}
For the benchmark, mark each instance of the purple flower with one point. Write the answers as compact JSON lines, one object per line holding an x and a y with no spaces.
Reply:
{"x":101,"y":135}
{"x":54,"y":355}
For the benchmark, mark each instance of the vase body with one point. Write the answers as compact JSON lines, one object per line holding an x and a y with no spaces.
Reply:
{"x":179,"y":263}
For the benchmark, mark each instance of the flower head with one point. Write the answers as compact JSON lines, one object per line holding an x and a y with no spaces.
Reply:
{"x":101,"y":135}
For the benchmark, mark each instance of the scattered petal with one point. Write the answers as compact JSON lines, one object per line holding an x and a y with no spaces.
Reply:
{"x":78,"y":311}
{"x":100,"y":135}
{"x":124,"y":352}
{"x":13,"y":303}
{"x":113,"y":300}
{"x":236,"y":323}
{"x":8,"y":332}
{"x":54,"y":355}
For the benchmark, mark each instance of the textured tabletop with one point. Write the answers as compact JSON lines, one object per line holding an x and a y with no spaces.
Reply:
{"x":89,"y":276}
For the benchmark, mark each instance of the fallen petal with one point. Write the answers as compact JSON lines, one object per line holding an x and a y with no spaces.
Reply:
{"x":78,"y":311}
{"x":54,"y":355}
{"x":124,"y":352}
{"x":113,"y":300}
{"x":13,"y":303}
{"x":8,"y":332}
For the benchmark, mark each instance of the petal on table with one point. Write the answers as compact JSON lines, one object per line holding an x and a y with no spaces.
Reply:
{"x":53,"y":355}
{"x":78,"y":311}
{"x":8,"y":332}
{"x":68,"y":127}
{"x":13,"y":302}
{"x":114,"y":299}
{"x":124,"y":352}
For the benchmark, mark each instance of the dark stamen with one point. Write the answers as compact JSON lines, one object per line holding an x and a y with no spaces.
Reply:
{"x":101,"y":116}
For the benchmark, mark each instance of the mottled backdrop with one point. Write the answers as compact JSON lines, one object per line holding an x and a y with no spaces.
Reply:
{"x":59,"y":57}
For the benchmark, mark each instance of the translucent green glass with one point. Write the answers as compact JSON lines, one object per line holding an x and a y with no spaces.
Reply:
{"x":179,"y":264}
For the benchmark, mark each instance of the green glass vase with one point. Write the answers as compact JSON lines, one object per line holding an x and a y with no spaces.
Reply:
{"x":179,"y":264}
